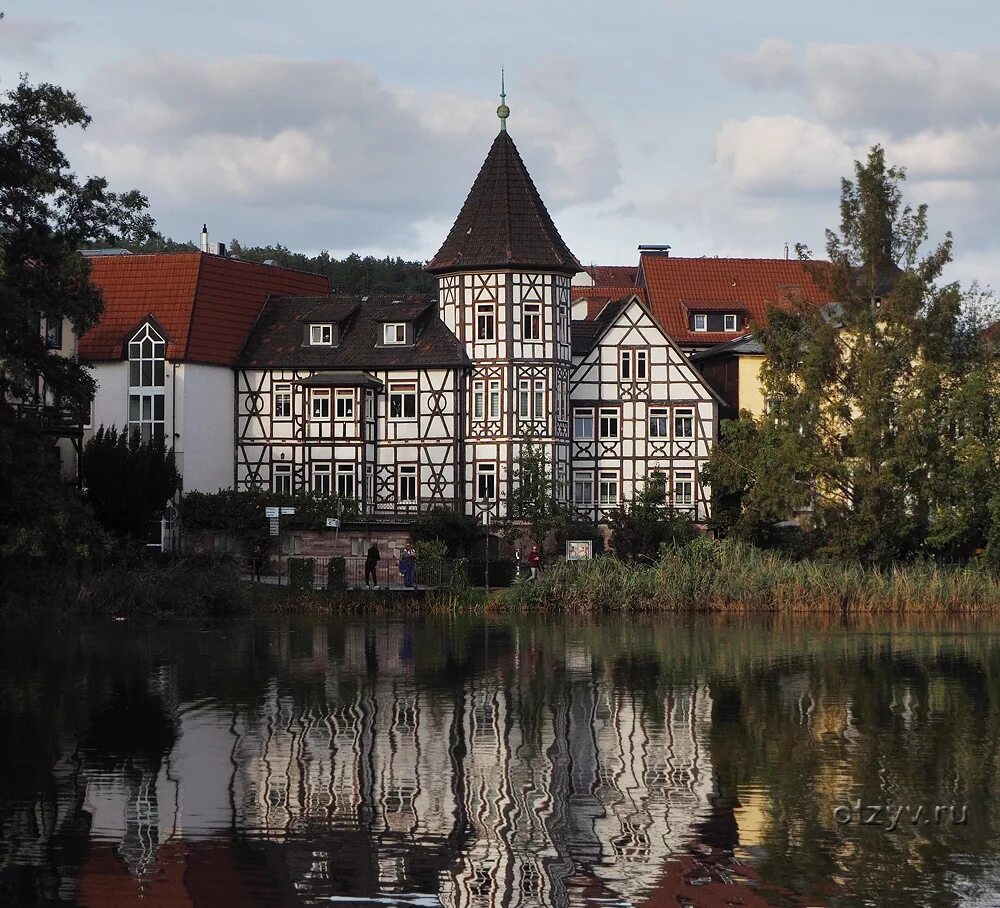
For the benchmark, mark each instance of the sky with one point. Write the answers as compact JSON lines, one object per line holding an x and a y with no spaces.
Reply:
{"x":719,"y":128}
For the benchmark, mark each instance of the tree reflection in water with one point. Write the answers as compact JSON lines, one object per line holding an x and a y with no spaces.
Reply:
{"x":501,"y":762}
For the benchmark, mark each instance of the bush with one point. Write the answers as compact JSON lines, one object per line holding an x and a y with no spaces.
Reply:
{"x":502,"y":571}
{"x":336,"y":573}
{"x":456,"y":531}
{"x":301,"y":573}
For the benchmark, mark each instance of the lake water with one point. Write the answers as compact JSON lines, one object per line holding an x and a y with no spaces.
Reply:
{"x":501,"y":762}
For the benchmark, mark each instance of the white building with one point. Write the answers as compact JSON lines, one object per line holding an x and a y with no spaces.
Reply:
{"x":164,"y":350}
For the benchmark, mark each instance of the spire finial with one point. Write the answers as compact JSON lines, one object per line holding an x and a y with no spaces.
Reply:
{"x":503,"y":111}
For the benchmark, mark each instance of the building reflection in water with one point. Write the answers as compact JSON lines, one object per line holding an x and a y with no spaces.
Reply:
{"x":520,"y":785}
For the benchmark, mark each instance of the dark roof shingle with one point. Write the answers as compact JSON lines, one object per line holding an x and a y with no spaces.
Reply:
{"x":503,"y":223}
{"x":276,"y":341}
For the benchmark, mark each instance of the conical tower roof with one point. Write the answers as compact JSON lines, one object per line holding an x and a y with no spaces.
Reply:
{"x":503,"y":223}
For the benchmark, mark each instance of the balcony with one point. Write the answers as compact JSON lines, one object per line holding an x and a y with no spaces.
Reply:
{"x":41,"y":419}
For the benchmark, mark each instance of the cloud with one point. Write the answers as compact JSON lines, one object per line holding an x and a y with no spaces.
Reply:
{"x":881,"y":86}
{"x":774,"y":65}
{"x":26,"y":38}
{"x":765,"y":155}
{"x":285,"y":149}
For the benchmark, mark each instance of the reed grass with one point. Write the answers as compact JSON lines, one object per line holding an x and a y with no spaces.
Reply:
{"x":738,"y":578}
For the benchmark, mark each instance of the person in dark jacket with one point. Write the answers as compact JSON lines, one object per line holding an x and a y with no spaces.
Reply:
{"x":371,"y":564}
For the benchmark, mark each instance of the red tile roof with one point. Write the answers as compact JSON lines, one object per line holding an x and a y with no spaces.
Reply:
{"x":205,"y":304}
{"x":613,"y":275}
{"x":675,"y":286}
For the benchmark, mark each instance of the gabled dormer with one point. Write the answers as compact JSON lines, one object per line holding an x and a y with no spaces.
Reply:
{"x":326,"y":322}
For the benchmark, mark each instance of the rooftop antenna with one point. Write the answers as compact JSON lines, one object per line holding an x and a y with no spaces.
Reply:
{"x":503,"y":111}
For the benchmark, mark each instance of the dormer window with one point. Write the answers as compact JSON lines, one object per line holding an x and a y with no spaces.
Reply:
{"x":321,"y":335}
{"x":394,"y":333}
{"x":731,"y":322}
{"x":700,"y":322}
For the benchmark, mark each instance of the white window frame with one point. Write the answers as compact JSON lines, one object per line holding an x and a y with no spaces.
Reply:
{"x":686,"y":413}
{"x":282,"y":404}
{"x":494,"y":398}
{"x":606,"y":414}
{"x":347,"y":480}
{"x":608,"y":480}
{"x":683,"y":479}
{"x":531,"y":321}
{"x":585,"y":413}
{"x":642,"y":365}
{"x":406,"y":476}
{"x":344,"y":405}
{"x":583,"y":480}
{"x":281,"y":479}
{"x":394,"y":334}
{"x":700,"y":321}
{"x":486,"y":479}
{"x":524,"y":398}
{"x":404,"y":390}
{"x":538,"y":399}
{"x":321,"y":335}
{"x":147,"y":351}
{"x":478,"y":400}
{"x":319,"y":405}
{"x":486,"y":322}
{"x":147,"y":413}
{"x":659,"y":418}
{"x":730,"y":321}
{"x":322,"y":478}
{"x":625,"y":365}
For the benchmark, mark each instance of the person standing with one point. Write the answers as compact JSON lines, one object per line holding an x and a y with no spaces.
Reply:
{"x":371,"y":566}
{"x":408,"y":565}
{"x":533,"y":562}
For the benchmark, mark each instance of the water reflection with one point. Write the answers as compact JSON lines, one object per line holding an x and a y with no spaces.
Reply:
{"x":493,"y":763}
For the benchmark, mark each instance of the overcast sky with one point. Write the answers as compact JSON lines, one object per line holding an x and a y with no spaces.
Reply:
{"x":720,"y":128}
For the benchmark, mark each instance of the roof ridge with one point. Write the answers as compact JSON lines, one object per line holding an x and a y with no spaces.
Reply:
{"x":194,"y":305}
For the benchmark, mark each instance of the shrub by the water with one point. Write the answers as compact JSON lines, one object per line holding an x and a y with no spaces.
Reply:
{"x":336,"y":573}
{"x":737,"y":577}
{"x":301,"y":572}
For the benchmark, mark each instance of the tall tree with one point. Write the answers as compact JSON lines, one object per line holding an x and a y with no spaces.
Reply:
{"x":46,"y":215}
{"x":856,"y":433}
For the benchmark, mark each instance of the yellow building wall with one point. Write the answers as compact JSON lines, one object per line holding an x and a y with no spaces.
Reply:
{"x":751,"y":393}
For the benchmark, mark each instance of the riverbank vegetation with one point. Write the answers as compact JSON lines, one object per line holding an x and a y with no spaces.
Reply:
{"x":735,"y":576}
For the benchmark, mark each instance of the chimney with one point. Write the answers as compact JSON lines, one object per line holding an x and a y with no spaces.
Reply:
{"x":786,"y":250}
{"x":204,"y":237}
{"x":663,"y":250}
{"x":218,"y":249}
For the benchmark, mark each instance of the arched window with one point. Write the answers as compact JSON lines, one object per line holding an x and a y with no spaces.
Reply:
{"x":146,"y":361}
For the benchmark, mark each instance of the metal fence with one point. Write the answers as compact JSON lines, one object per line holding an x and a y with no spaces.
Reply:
{"x":430,"y":573}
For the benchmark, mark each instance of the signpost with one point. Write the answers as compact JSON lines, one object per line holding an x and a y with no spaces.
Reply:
{"x":274,"y":516}
{"x":579,"y":549}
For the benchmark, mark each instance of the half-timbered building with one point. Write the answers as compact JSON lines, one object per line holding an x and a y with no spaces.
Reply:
{"x":413,"y":403}
{"x":359,"y":396}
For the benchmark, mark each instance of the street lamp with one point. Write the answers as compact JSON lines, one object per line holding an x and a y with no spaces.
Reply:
{"x":486,"y":506}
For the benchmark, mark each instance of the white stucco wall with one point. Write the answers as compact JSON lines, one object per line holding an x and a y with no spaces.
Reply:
{"x":203,"y":439}
{"x":111,"y":397}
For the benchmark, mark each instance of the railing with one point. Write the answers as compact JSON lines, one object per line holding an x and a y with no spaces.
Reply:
{"x":392,"y":512}
{"x":65,"y":420}
{"x":431,"y":573}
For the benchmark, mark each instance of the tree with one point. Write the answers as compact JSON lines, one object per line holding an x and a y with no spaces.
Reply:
{"x":46,"y":215}
{"x":532,"y":503}
{"x":128,"y":481}
{"x":640,"y":527}
{"x":458,"y":532}
{"x":856,"y":434}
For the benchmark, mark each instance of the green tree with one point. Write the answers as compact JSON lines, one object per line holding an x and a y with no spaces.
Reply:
{"x":128,"y":481}
{"x":532,"y":503}
{"x":46,"y":215}
{"x":640,"y":527}
{"x":856,"y":435}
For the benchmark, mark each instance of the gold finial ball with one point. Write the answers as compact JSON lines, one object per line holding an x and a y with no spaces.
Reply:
{"x":503,"y":111}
